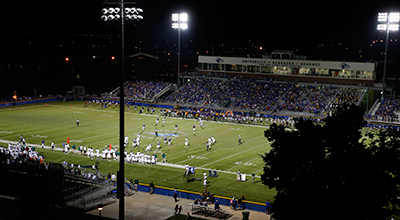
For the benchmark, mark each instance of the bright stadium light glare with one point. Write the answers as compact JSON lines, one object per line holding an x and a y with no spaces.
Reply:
{"x":393,"y":27}
{"x":182,"y":17}
{"x":394,"y":17}
{"x":182,"y":26}
{"x":381,"y":27}
{"x":382,"y":17}
{"x":388,"y":22}
{"x":175,"y":17}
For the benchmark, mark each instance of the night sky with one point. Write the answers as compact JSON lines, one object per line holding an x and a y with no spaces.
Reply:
{"x":320,"y":30}
{"x":271,"y":24}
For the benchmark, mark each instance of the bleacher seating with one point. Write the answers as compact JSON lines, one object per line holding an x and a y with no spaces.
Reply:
{"x":240,"y":94}
{"x":142,"y":90}
{"x":388,"y":110}
{"x":262,"y":96}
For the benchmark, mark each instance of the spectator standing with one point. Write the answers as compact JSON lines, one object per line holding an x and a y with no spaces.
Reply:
{"x":151,"y":188}
{"x":136,"y":184}
{"x":113,"y":177}
{"x":178,"y":209}
{"x":240,"y":202}
{"x":176,"y":194}
{"x":267,"y":207}
{"x":216,"y":205}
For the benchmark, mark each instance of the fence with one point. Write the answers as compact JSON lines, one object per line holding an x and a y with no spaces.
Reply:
{"x":255,"y":206}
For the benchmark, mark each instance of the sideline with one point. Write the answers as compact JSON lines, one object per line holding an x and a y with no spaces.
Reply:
{"x":37,"y":146}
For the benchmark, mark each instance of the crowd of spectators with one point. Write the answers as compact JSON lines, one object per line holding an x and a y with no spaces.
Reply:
{"x":142,"y":90}
{"x":388,"y":109}
{"x":261,"y":96}
{"x":190,"y":89}
{"x":307,"y":98}
{"x":348,"y":96}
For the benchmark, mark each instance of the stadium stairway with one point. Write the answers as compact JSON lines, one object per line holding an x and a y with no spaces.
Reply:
{"x":162,"y":92}
{"x":86,"y":195}
{"x":375,"y":107}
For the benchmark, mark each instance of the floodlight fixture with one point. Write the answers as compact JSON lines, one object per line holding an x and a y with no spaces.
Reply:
{"x":394,"y":17}
{"x":115,"y":14}
{"x":180,"y":21}
{"x":382,"y":17}
{"x":121,"y":13}
{"x":393,"y":27}
{"x":182,"y":26}
{"x":389,"y":22}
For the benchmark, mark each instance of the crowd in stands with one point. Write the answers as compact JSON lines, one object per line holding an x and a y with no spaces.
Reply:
{"x":388,"y":109}
{"x":186,"y":92}
{"x":143,"y":90}
{"x":261,"y":96}
{"x":348,"y":96}
{"x":247,"y":95}
{"x":307,"y":98}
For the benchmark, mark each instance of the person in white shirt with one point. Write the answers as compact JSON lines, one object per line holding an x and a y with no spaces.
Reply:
{"x":113,"y":177}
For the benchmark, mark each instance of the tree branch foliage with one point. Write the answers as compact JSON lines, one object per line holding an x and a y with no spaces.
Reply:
{"x":329,"y":171}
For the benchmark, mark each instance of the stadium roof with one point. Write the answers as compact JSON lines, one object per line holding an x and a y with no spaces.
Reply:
{"x":143,"y":54}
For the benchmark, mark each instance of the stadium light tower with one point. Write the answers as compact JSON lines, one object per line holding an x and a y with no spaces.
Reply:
{"x":121,"y":13}
{"x":179,"y":21}
{"x":387,"y":22}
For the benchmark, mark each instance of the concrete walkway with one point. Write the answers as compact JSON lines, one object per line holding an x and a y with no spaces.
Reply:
{"x":143,"y":206}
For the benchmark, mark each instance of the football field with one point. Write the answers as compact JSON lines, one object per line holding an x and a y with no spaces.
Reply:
{"x":99,"y":127}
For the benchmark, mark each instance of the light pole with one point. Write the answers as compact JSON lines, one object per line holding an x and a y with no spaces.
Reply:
{"x":179,"y":22}
{"x":100,"y":208}
{"x":121,"y":13}
{"x":387,"y":22}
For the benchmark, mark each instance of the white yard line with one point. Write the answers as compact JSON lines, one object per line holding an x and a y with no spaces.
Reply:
{"x":221,"y":148}
{"x":232,"y":155}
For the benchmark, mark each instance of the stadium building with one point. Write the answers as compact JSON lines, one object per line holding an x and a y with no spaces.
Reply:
{"x":283,"y":65}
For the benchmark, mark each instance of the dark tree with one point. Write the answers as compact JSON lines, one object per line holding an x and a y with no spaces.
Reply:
{"x":329,"y":171}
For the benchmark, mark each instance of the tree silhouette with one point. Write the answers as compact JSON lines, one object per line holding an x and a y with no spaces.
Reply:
{"x":333,"y":171}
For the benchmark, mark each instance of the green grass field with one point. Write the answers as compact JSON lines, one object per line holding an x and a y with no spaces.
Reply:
{"x":56,"y":122}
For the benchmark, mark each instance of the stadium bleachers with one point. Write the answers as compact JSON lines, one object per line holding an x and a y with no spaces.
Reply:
{"x":141,"y":90}
{"x":262,"y":96}
{"x":387,"y":110}
{"x":239,"y":94}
